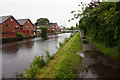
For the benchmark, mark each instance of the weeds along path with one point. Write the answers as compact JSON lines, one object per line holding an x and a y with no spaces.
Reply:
{"x":65,"y":62}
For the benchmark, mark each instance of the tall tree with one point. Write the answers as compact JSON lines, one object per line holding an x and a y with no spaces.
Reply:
{"x":42,"y":21}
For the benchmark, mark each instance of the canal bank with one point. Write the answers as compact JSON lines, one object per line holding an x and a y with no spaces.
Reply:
{"x":16,"y":56}
{"x":66,"y":61}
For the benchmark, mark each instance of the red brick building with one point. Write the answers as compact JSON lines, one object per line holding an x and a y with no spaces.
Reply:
{"x":26,"y":27}
{"x":9,"y":26}
{"x":52,"y":27}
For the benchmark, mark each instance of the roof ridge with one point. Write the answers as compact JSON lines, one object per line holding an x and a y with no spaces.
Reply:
{"x":23,"y":19}
{"x":6,"y":16}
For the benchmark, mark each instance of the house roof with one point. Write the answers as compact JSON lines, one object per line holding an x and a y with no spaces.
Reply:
{"x":22,"y":21}
{"x":4,"y":18}
{"x":48,"y":25}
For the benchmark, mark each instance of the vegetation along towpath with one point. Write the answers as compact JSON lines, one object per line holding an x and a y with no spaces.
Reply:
{"x":95,"y":64}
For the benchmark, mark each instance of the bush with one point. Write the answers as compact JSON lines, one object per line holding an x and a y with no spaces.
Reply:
{"x":65,"y":40}
{"x":20,"y":36}
{"x":30,"y":73}
{"x":60,"y":44}
{"x":48,"y":56}
{"x":37,"y":64}
{"x":71,"y":35}
{"x":3,"y":32}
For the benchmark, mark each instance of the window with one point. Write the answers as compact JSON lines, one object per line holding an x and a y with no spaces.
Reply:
{"x":7,"y":25}
{"x":11,"y":19}
{"x":26,"y":26}
{"x":30,"y":26}
{"x":38,"y":26}
{"x":28,"y":21}
{"x":16,"y":27}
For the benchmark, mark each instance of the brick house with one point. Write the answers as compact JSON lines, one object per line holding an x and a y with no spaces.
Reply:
{"x":9,"y":26}
{"x":52,"y":27}
{"x":26,"y":27}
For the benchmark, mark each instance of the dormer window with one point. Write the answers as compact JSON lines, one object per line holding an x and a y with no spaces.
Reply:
{"x":11,"y":20}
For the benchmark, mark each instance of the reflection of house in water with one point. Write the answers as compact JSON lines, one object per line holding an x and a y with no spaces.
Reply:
{"x":11,"y":48}
{"x":29,"y":44}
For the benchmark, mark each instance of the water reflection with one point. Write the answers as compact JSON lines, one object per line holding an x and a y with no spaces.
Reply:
{"x":18,"y":55}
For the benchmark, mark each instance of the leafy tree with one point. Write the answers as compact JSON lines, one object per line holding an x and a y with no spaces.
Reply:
{"x":44,"y":31}
{"x":42,"y":21}
{"x":72,"y":28}
{"x":102,"y":23}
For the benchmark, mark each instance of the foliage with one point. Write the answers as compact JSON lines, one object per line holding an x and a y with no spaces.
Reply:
{"x":72,"y":28}
{"x":60,"y":44}
{"x":3,"y":32}
{"x":65,"y":62}
{"x":44,"y":31}
{"x":20,"y":36}
{"x":71,"y":35}
{"x":49,"y":57}
{"x":42,"y":21}
{"x":37,"y":64}
{"x":103,"y":23}
{"x":30,"y":73}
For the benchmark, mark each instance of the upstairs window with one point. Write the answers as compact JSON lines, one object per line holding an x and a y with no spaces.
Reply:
{"x":16,"y":27}
{"x":7,"y":25}
{"x":31,"y":27}
{"x":11,"y":20}
{"x":26,"y":26}
{"x":28,"y":21}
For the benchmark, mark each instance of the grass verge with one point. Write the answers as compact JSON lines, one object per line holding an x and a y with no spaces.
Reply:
{"x":113,"y":52}
{"x":65,"y":61}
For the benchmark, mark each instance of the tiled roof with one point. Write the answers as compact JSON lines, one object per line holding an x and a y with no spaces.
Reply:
{"x":22,"y":21}
{"x":4,"y":18}
{"x":48,"y":25}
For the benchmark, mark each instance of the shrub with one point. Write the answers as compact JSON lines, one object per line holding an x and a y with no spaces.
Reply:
{"x":3,"y":32}
{"x":71,"y":35}
{"x":30,"y":73}
{"x":37,"y":64}
{"x":60,"y":44}
{"x":20,"y":36}
{"x":39,"y":61}
{"x":48,"y":56}
{"x":65,"y":40}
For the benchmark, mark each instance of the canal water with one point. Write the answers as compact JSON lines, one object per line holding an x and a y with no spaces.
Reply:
{"x":17,"y":56}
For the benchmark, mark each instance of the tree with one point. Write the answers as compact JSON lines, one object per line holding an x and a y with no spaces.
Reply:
{"x":72,"y":28}
{"x":42,"y":21}
{"x":44,"y":31}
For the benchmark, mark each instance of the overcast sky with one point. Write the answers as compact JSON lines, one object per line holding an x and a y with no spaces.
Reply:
{"x":55,"y":10}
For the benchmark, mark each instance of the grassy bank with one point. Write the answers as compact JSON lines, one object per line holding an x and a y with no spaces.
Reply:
{"x":106,"y":50}
{"x":65,"y":61}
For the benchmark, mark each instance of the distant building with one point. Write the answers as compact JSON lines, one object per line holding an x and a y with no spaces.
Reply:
{"x":62,"y":28}
{"x":52,"y":28}
{"x":26,"y":27}
{"x":9,"y":26}
{"x":94,"y":3}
